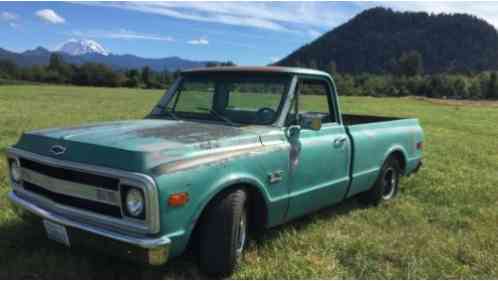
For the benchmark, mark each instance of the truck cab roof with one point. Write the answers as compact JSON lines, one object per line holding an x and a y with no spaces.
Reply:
{"x":257,"y":69}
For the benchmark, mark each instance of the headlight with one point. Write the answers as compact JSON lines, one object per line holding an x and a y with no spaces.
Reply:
{"x":134,"y":202}
{"x":15,"y":171}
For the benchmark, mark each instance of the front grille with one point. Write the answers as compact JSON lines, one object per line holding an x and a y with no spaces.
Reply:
{"x":71,"y":175}
{"x":88,"y":179}
{"x":86,"y":193}
{"x":93,"y":206}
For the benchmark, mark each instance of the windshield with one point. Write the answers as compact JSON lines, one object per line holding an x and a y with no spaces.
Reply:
{"x":232,"y":99}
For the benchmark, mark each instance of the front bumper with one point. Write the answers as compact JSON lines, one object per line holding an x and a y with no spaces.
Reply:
{"x":152,"y":251}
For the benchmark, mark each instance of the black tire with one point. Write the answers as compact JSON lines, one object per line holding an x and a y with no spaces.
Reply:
{"x":221,"y":242}
{"x":386,"y":186}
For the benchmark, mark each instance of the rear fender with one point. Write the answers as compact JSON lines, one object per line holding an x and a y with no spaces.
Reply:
{"x":396,"y":149}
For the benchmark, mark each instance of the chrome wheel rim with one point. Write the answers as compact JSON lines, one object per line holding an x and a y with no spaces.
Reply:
{"x":241,"y":234}
{"x":390,"y":183}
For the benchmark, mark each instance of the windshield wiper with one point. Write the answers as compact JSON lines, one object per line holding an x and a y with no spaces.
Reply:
{"x":167,"y":111}
{"x":170,"y":113}
{"x":219,"y":116}
{"x":224,"y":118}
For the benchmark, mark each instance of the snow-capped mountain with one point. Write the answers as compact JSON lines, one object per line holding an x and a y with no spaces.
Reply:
{"x":79,"y":52}
{"x":81,"y":47}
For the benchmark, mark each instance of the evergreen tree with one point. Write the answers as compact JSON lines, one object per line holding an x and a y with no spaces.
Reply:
{"x":55,"y":62}
{"x":332,"y":68}
{"x":146,"y":76}
{"x":312,"y":64}
{"x":410,"y":64}
{"x":492,"y":90}
{"x":8,"y":69}
{"x":475,"y":90}
{"x":461,"y":88}
{"x":345,"y":85}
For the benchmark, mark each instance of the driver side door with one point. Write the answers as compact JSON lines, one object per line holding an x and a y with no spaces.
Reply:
{"x":319,"y":160}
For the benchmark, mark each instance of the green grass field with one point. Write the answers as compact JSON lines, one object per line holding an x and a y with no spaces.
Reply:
{"x":444,"y":224}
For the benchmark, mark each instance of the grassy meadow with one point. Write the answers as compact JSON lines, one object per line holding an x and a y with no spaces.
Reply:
{"x":444,"y":224}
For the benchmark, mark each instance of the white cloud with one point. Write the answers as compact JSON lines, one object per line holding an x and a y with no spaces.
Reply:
{"x":50,"y":16}
{"x":8,"y":17}
{"x":11,"y":19}
{"x":200,"y":41}
{"x":304,"y":18}
{"x":179,"y":11}
{"x":121,"y":34}
{"x":309,"y":13}
{"x":276,"y":16}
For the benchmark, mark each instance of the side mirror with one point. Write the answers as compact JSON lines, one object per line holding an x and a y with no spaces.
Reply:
{"x":293,"y":132}
{"x":310,"y":121}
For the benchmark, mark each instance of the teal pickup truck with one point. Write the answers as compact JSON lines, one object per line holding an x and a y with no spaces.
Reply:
{"x":225,"y":152}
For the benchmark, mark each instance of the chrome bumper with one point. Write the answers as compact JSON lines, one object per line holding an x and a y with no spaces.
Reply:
{"x":156,"y":249}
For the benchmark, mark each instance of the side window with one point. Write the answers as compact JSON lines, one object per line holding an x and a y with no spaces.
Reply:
{"x":313,"y":96}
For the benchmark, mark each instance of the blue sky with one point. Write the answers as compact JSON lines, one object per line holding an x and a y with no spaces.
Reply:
{"x":255,"y":33}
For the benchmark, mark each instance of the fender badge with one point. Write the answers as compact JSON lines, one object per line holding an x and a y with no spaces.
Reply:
{"x":275,"y":176}
{"x":57,"y":149}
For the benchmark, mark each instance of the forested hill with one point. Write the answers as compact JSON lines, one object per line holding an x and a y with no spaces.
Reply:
{"x":375,"y":40}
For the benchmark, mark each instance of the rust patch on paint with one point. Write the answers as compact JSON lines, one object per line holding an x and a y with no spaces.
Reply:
{"x":220,"y":157}
{"x":188,"y":132}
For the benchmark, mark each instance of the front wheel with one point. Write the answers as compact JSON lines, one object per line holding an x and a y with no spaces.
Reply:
{"x":223,"y":234}
{"x":386,"y":186}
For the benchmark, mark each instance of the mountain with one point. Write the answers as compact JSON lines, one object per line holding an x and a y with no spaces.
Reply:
{"x":375,"y":39}
{"x":81,"y":47}
{"x":41,"y":56}
{"x":38,"y":52}
{"x":37,"y":56}
{"x":131,"y":61}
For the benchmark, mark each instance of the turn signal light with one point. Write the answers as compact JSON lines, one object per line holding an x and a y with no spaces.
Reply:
{"x":178,"y":199}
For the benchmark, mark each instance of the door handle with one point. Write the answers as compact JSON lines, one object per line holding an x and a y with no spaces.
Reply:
{"x":338,"y":142}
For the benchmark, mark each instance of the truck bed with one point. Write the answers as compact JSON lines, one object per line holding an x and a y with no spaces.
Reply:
{"x":353,"y":119}
{"x":373,"y":138}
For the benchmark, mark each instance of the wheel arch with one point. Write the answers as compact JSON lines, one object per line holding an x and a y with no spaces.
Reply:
{"x":399,"y":153}
{"x":257,"y":196}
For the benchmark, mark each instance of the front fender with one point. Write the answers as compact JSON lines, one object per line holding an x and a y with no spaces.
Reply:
{"x":225,"y":182}
{"x":202,"y":184}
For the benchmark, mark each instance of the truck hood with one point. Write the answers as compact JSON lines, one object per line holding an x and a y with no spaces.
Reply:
{"x":138,"y":145}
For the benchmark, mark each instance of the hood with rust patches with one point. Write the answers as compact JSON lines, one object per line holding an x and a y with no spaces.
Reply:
{"x":137,"y":144}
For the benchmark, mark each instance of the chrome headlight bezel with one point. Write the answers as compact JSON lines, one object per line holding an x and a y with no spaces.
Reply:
{"x":15,"y":171}
{"x":134,"y":202}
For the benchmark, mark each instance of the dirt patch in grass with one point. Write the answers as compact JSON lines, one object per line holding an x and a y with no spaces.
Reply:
{"x":482,"y":103}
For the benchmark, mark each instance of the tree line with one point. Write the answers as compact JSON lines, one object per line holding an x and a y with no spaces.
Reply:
{"x":406,"y":78}
{"x":449,"y":86}
{"x":90,"y":74}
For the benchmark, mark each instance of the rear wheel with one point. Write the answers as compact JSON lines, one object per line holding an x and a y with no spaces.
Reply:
{"x":223,"y":234}
{"x":386,"y":185}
